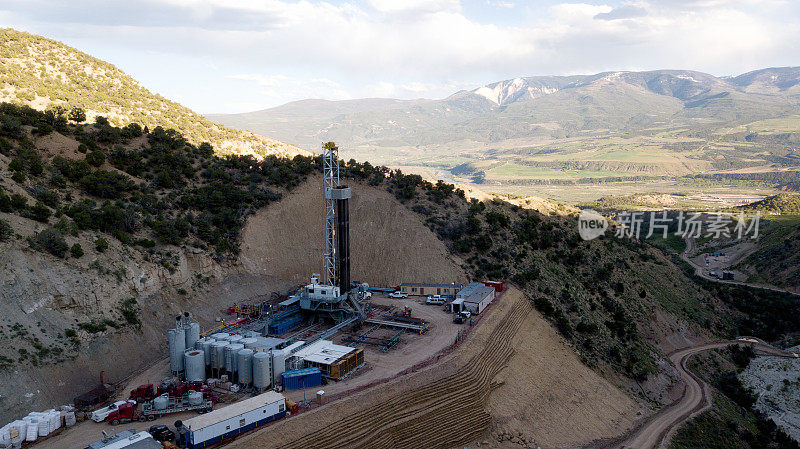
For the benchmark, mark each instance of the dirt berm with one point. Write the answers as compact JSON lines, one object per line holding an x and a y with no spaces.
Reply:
{"x":388,"y":242}
{"x":513,"y":375}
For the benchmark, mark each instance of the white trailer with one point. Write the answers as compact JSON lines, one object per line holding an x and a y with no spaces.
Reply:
{"x":235,"y":419}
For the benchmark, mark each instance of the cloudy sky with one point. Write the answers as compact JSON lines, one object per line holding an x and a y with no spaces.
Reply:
{"x":243,"y":55}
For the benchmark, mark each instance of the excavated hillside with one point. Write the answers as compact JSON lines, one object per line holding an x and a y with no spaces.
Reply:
{"x":514,"y":382}
{"x":389,"y":243}
{"x":68,"y":313}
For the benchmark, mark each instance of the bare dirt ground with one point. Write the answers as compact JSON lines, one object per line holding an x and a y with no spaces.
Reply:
{"x":412,"y":349}
{"x":389,"y":243}
{"x":513,"y":374}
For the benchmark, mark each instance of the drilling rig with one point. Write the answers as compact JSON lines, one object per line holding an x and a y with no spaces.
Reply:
{"x":329,"y":294}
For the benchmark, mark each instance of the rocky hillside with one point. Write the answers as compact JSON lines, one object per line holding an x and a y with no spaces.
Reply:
{"x":107,"y":232}
{"x":777,"y":259}
{"x":46,"y":74}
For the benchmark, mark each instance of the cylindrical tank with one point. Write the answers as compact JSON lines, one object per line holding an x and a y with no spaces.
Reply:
{"x":207,"y":342}
{"x":195,"y":364}
{"x":244,"y":366}
{"x":218,"y":354}
{"x":221,"y":336}
{"x":230,"y":356}
{"x":192,"y":333}
{"x":235,"y":338}
{"x":248,"y":342}
{"x":177,"y":345}
{"x":199,"y":343}
{"x":195,"y":398}
{"x":161,"y":402}
{"x":261,"y":370}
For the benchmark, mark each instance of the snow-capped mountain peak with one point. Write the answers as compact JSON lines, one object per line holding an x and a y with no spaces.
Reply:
{"x":509,"y":91}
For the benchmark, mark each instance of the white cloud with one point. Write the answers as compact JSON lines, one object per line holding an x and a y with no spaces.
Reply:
{"x":414,"y":6}
{"x":299,"y":49}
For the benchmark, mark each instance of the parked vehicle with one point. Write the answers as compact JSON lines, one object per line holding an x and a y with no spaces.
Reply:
{"x":435,"y":299}
{"x":158,"y":407}
{"x":162,"y":433}
{"x":398,"y":295}
{"x":461,"y":317}
{"x":101,"y":414}
{"x":125,"y":413}
{"x":143,"y":393}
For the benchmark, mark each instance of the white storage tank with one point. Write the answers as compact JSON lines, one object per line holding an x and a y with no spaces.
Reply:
{"x":192,"y":333}
{"x":199,"y":343}
{"x":278,"y":364}
{"x":218,"y":354}
{"x":235,"y":338}
{"x":161,"y":402}
{"x":248,"y":342}
{"x":262,"y":374}
{"x":219,"y":336}
{"x":195,"y":364}
{"x":177,"y":345}
{"x":207,"y":342}
{"x":195,"y":397}
{"x":244,"y":366}
{"x":230,"y":356}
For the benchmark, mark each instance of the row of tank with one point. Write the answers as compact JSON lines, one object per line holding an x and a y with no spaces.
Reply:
{"x":243,"y":359}
{"x":182,"y":337}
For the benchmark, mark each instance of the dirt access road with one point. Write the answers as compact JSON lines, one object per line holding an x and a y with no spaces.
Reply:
{"x":700,"y":271}
{"x":696,"y":398}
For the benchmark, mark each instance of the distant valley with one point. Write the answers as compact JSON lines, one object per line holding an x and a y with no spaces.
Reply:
{"x":549,"y":135}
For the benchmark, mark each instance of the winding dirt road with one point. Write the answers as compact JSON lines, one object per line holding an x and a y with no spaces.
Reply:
{"x":696,"y":397}
{"x":700,"y":272}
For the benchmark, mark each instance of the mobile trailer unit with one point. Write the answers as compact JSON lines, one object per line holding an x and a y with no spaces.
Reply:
{"x":229,"y":422}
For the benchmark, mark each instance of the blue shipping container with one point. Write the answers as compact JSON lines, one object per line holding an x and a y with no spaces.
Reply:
{"x":285,"y":325}
{"x":301,"y":378}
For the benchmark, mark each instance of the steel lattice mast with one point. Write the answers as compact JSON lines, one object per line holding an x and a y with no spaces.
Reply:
{"x":330,"y":180}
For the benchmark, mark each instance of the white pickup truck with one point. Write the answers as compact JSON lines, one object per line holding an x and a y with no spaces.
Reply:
{"x":101,"y":414}
{"x":435,"y":299}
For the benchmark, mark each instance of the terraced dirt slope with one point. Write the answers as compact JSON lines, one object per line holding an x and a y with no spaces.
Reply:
{"x":388,"y":242}
{"x":470,"y":395}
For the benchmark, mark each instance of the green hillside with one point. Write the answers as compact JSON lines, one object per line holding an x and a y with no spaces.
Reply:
{"x":43,"y":73}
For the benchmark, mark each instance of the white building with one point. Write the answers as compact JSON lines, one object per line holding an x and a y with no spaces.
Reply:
{"x":474,"y":297}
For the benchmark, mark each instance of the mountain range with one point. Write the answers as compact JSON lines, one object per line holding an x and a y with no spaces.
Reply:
{"x":540,"y":107}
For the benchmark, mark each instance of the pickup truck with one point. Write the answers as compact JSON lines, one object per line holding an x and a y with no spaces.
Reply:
{"x":398,"y":295}
{"x":435,"y":299}
{"x":101,"y":414}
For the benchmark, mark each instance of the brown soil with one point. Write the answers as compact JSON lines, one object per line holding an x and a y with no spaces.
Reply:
{"x":513,"y":374}
{"x":389,"y":243}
